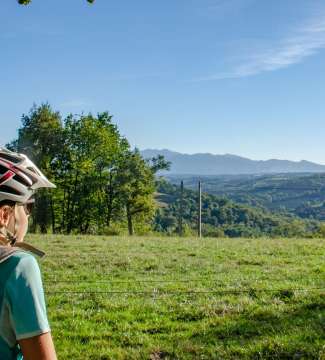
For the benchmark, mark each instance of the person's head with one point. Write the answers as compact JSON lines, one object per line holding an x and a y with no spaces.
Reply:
{"x":19,"y":179}
{"x":14,"y":218}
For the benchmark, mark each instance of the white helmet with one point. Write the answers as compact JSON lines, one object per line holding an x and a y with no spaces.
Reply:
{"x":19,"y":177}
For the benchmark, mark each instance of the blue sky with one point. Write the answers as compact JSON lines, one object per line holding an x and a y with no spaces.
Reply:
{"x":222,"y":76}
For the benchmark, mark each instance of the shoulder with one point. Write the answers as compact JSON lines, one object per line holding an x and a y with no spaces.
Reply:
{"x":23,"y":262}
{"x":17,"y":263}
{"x":24,"y":270}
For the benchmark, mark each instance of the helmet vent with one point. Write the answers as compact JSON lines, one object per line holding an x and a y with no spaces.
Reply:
{"x":33,"y":170}
{"x":10,"y":158}
{"x":3,"y":169}
{"x":9,"y":190}
{"x":21,"y":180}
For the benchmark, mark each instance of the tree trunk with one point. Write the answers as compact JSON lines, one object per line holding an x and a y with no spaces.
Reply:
{"x":129,"y":217}
{"x":64,"y":206}
{"x":109,"y":201}
{"x":52,"y":215}
{"x":71,"y":208}
{"x":43,"y":228}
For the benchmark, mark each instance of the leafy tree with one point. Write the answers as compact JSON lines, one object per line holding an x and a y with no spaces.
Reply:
{"x":158,"y":163}
{"x":136,"y":186}
{"x":136,"y":182}
{"x":93,"y":145}
{"x":100,"y":181}
{"x":40,"y":137}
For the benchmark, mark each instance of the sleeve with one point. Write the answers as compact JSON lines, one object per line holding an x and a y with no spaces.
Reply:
{"x":25,"y":295}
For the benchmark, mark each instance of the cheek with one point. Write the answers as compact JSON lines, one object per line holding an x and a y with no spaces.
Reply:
{"x":21,"y":225}
{"x":11,"y":223}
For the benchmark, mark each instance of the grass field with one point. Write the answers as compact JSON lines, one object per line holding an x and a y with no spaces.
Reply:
{"x":181,"y":298}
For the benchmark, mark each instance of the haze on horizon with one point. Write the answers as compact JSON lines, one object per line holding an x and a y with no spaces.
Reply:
{"x":240,"y":77}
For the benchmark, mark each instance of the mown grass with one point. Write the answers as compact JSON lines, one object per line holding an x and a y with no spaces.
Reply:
{"x":185,"y":298}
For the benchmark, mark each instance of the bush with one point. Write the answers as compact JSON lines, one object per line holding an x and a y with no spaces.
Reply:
{"x":321,"y":232}
{"x":113,"y":230}
{"x":212,"y":231}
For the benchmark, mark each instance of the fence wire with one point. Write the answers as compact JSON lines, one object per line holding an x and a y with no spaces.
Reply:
{"x":156,"y":292}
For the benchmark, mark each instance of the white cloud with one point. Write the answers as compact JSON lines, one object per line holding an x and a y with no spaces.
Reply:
{"x":293,"y":49}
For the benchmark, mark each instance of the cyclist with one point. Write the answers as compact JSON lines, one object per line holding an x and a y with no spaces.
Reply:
{"x":24,"y":328}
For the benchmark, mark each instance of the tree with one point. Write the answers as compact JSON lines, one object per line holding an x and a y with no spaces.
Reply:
{"x":136,"y":181}
{"x":92,"y":147}
{"x":77,"y":155}
{"x":40,"y":137}
{"x":136,"y":187}
{"x":158,"y":163}
{"x":100,"y":180}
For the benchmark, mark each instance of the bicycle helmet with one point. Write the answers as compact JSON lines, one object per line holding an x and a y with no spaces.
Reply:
{"x":19,"y":177}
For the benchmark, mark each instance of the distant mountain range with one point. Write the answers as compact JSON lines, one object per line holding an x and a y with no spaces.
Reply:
{"x":210,"y":164}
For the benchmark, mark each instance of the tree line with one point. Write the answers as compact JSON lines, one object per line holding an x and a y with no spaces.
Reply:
{"x":102,"y":184}
{"x":105,"y":187}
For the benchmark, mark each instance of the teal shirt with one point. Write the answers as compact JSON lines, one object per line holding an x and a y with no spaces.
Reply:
{"x":22,"y":304}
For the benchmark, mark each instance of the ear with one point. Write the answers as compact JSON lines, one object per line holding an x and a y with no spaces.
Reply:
{"x":5,"y":214}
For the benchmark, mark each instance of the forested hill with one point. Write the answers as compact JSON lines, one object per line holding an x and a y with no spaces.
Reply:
{"x":221,"y":216}
{"x":300,"y":194}
{"x":210,"y":164}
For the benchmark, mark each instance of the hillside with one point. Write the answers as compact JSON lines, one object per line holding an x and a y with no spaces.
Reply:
{"x":224,"y":217}
{"x":301,"y":194}
{"x":209,"y":164}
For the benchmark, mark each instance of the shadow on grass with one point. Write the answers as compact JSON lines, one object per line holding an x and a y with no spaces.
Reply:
{"x":298,"y":333}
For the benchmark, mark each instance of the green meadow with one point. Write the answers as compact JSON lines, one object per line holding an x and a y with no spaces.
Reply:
{"x":184,"y":298}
